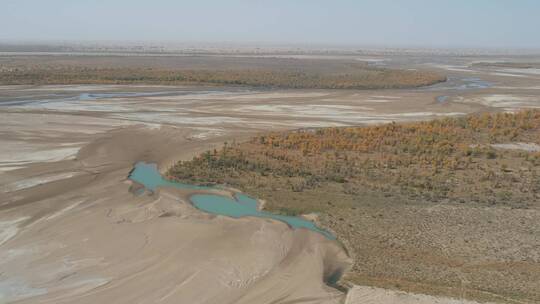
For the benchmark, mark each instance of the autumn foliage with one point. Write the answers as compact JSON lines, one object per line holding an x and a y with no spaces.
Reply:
{"x":444,"y":159}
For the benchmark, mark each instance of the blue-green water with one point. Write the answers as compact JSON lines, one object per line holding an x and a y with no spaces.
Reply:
{"x":148,"y":176}
{"x":242,"y":205}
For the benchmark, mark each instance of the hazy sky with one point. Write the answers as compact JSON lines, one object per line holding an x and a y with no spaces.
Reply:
{"x":454,"y":23}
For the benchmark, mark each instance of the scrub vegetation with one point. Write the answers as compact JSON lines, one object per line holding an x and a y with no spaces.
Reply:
{"x":449,"y":159}
{"x":427,"y":207}
{"x":258,"y":72}
{"x":362,"y":79}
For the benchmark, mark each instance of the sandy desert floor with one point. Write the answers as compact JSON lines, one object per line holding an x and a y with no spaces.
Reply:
{"x":73,"y":232}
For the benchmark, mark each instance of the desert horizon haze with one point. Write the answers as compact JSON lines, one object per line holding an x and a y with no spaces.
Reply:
{"x":421,"y":23}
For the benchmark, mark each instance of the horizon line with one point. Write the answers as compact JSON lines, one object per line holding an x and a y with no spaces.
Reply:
{"x":256,"y":44}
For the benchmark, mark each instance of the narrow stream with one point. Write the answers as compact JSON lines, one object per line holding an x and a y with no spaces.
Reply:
{"x":241,"y":206}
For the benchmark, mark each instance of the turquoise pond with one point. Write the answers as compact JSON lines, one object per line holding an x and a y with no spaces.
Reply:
{"x":241,"y":206}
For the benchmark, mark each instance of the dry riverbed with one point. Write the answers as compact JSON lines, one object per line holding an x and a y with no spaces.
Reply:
{"x":72,"y":232}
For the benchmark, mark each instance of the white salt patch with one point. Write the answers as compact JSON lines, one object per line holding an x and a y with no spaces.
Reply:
{"x":19,"y":153}
{"x":502,"y":101}
{"x":423,"y":114}
{"x":280,"y":95}
{"x":152,"y":126}
{"x":304,"y":110}
{"x":35,"y":181}
{"x":335,"y":100}
{"x":78,"y":144}
{"x":269,"y":125}
{"x":507,"y":75}
{"x":375,"y":60}
{"x":251,"y":95}
{"x":8,"y":256}
{"x":499,"y":98}
{"x":529,"y":147}
{"x":379,"y":100}
{"x":74,"y":106}
{"x":13,"y":290}
{"x":385,"y":97}
{"x":82,"y":286}
{"x":374,"y":295}
{"x":454,"y":68}
{"x":522,"y":71}
{"x":63,"y":211}
{"x":70,"y":88}
{"x":376,"y":121}
{"x":8,"y":168}
{"x":177,"y":119}
{"x":51,"y":125}
{"x":187,"y":98}
{"x":207,"y":133}
{"x":516,"y":88}
{"x":9,"y":229}
{"x":10,"y":87}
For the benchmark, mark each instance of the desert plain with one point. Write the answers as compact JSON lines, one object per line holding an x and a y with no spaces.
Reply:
{"x":74,"y":230}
